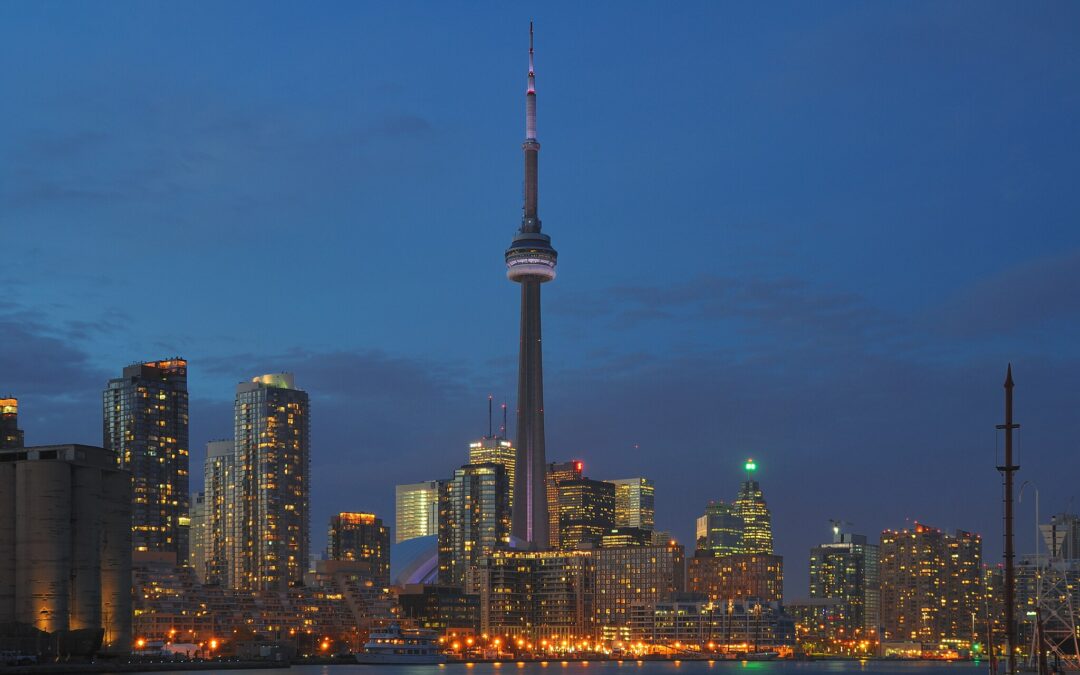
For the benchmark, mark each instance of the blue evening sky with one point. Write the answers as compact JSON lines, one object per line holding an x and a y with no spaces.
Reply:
{"x":811,"y":233}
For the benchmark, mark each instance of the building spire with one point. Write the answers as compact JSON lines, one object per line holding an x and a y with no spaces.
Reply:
{"x":530,"y":221}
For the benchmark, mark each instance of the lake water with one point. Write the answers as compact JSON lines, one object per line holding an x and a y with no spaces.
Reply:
{"x":644,"y":668}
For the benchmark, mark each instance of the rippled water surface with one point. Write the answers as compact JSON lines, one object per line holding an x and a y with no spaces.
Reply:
{"x":643,"y":668}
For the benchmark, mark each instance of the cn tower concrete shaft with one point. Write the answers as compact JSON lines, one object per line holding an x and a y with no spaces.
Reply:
{"x":530,"y":261}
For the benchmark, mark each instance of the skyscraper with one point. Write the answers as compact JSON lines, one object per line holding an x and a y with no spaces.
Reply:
{"x":222,"y":510}
{"x":635,"y":503}
{"x":494,"y":449}
{"x":361,"y":537}
{"x":557,"y":473}
{"x":416,"y":510}
{"x":197,"y":537}
{"x":146,"y":425}
{"x":757,"y":521}
{"x":530,"y":261}
{"x":847,"y":570}
{"x":474,"y":520}
{"x":720,"y":530}
{"x":586,"y":512}
{"x":273,"y":456}
{"x":11,"y":436}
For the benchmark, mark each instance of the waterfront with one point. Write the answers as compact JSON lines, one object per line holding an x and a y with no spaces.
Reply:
{"x":877,"y":667}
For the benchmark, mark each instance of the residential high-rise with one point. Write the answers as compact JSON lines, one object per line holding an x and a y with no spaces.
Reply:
{"x":11,"y":436}
{"x":530,"y":261}
{"x":557,"y":473}
{"x":635,"y":503}
{"x":635,"y":574}
{"x":197,"y":536}
{"x":739,"y":575}
{"x":65,"y":541}
{"x":847,"y":570}
{"x":474,"y":520}
{"x":222,"y":504}
{"x":361,"y":537}
{"x":720,"y":530}
{"x":544,"y":597}
{"x":146,"y":425}
{"x":757,"y":521}
{"x":416,"y":510}
{"x":273,"y":457}
{"x":586,"y":512}
{"x":931,"y":585}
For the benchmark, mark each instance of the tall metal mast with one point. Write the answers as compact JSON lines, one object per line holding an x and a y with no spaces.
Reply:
{"x":1007,"y":470}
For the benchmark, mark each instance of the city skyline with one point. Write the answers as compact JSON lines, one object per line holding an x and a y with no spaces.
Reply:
{"x":823,"y":303}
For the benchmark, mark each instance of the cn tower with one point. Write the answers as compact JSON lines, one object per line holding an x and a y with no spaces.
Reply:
{"x":530,"y":261}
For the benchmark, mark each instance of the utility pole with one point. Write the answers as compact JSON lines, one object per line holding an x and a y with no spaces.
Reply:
{"x":1007,"y":470}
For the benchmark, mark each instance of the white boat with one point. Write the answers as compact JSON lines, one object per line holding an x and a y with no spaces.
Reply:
{"x":392,"y":645}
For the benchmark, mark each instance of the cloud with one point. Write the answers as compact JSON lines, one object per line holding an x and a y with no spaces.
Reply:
{"x":783,"y":313}
{"x":1032,"y":297}
{"x":58,"y":387}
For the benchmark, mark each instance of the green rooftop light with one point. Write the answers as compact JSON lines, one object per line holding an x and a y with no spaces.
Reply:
{"x":750,"y":465}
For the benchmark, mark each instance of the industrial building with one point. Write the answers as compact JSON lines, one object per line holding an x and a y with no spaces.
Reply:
{"x":65,"y":542}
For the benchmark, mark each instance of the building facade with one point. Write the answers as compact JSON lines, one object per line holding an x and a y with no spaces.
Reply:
{"x":720,"y":530}
{"x":361,"y":536}
{"x":11,"y":436}
{"x":544,"y":597}
{"x":737,"y":627}
{"x":222,"y":506}
{"x":496,"y":450}
{"x":740,"y":575}
{"x":441,"y":608}
{"x":65,"y":541}
{"x":416,"y":510}
{"x":273,"y":457}
{"x":618,"y":537}
{"x":198,"y":536}
{"x":635,"y":503}
{"x":557,"y":473}
{"x":474,"y":520}
{"x":754,"y":512}
{"x":846,"y":570}
{"x":586,"y":512}
{"x":635,"y":574}
{"x":931,"y":585}
{"x":146,"y":424}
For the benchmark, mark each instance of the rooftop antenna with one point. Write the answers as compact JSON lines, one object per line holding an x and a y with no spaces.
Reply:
{"x":503,"y":430}
{"x":1008,"y":469}
{"x":490,"y":434}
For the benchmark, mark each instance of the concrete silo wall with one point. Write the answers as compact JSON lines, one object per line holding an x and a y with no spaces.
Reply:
{"x":86,"y":492}
{"x":43,"y":542}
{"x":7,"y":542}
{"x":115,"y":509}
